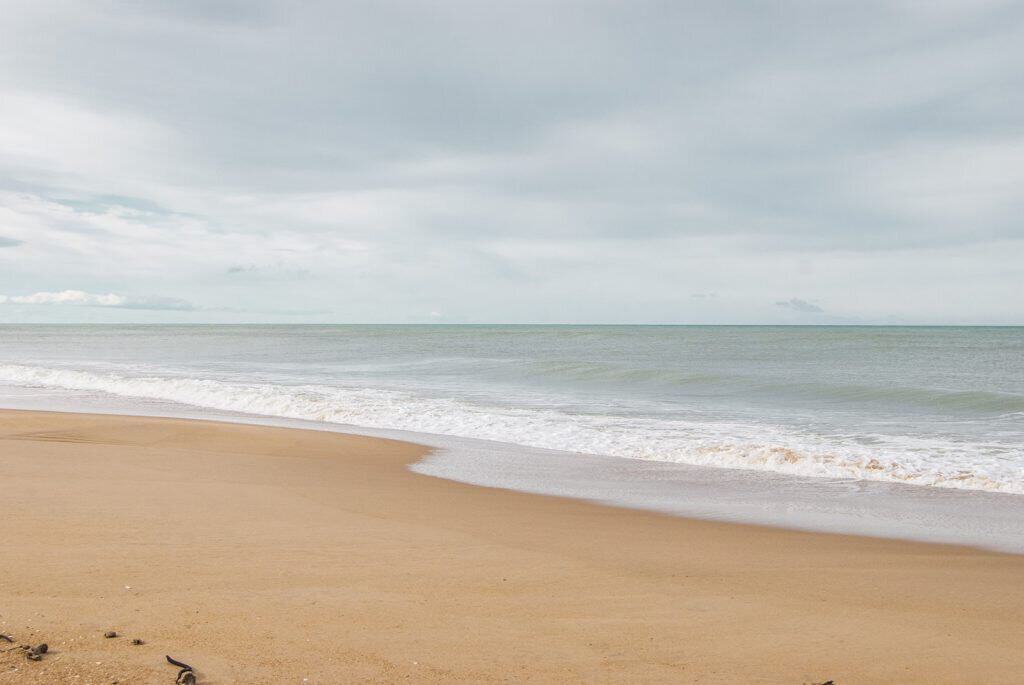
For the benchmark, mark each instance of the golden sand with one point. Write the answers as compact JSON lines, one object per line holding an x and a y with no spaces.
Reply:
{"x":269,"y":555}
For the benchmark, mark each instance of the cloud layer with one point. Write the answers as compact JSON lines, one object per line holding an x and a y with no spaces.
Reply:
{"x":555,"y":161}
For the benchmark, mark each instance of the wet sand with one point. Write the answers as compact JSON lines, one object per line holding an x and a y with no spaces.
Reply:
{"x":272,"y":555}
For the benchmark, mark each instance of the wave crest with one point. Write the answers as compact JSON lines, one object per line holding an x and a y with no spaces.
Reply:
{"x":714,"y":444}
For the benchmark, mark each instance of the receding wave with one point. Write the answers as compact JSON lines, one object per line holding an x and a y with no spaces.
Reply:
{"x":617,"y":375}
{"x":919,"y":461}
{"x":921,"y":398}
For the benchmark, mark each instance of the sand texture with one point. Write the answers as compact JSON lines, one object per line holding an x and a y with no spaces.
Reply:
{"x":269,"y":555}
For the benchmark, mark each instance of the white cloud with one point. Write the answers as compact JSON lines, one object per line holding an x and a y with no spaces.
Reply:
{"x":84,"y":299}
{"x":944,"y":184}
{"x":57,"y":141}
{"x":67,"y":297}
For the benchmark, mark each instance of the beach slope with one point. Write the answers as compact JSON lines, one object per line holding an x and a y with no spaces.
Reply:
{"x":271,"y":555}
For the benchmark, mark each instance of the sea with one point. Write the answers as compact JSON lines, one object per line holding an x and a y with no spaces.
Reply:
{"x":907,"y":432}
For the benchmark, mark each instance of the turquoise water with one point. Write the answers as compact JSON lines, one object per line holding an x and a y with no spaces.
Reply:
{"x":938,"y":407}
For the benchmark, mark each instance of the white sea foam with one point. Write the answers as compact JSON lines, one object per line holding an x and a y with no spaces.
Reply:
{"x":929,"y":462}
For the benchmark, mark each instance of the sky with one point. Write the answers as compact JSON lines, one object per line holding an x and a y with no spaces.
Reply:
{"x":521,"y":162}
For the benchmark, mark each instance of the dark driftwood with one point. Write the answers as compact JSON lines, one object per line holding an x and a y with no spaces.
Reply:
{"x":186,"y":676}
{"x":183,"y":666}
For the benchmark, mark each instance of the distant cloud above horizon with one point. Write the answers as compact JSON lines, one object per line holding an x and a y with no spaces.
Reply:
{"x":522,"y":162}
{"x":84,"y":299}
{"x":798,"y":305}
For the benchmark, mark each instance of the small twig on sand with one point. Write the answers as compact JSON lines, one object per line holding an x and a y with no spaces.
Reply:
{"x":186,"y":676}
{"x":6,"y":638}
{"x":182,"y":666}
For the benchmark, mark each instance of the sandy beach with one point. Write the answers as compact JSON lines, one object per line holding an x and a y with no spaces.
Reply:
{"x":269,"y":555}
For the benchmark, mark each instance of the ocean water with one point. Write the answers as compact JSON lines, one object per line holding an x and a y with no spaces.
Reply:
{"x":936,"y":408}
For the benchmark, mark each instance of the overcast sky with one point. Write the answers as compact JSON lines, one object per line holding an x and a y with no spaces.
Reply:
{"x":634,"y":162}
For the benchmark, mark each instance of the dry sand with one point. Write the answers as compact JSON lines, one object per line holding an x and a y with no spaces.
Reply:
{"x":267,"y":555}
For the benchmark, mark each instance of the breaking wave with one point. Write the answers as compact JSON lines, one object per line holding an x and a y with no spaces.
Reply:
{"x":914,"y":460}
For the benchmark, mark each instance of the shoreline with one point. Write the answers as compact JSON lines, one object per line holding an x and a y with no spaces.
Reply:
{"x":894,"y":511}
{"x":371,"y":572}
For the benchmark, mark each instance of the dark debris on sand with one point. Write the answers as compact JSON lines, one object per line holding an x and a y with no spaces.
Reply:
{"x":36,"y":653}
{"x":186,"y":676}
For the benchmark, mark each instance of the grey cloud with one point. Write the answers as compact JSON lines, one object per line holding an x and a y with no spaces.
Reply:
{"x":517,"y":142}
{"x":761,"y":131}
{"x":9,"y":242}
{"x":104,"y":203}
{"x":798,"y":305}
